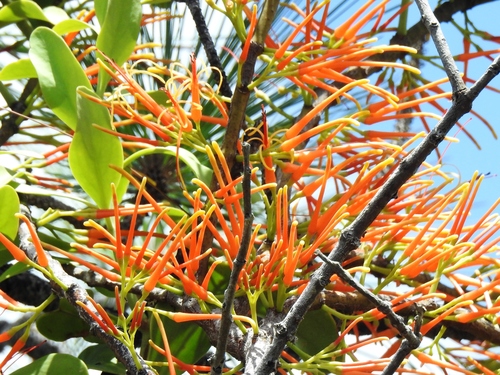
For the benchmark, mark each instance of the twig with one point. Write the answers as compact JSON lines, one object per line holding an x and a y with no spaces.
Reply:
{"x":73,"y":292}
{"x":343,"y":302}
{"x":382,"y":305}
{"x":405,"y":348}
{"x":238,"y":108}
{"x":208,"y":45}
{"x":411,"y":339}
{"x":432,"y":24}
{"x":239,"y":262}
{"x":350,"y":237}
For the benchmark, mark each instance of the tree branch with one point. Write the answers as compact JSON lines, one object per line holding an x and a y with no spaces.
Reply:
{"x":239,"y":262}
{"x":350,"y":237}
{"x":208,"y":45}
{"x":238,"y":108}
{"x":73,"y":292}
{"x":344,"y":302}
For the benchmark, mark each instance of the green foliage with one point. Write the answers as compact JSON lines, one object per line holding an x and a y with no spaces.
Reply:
{"x":54,"y":364}
{"x":22,"y":68}
{"x":188,"y":341}
{"x":59,"y":74}
{"x":101,"y":358}
{"x":155,"y":126}
{"x":69,"y":324}
{"x":9,"y":201}
{"x":93,"y":151}
{"x":314,"y":322}
{"x":118,"y":35}
{"x":21,"y":10}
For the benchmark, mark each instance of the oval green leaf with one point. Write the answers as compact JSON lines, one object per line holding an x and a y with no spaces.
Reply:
{"x":100,"y":10}
{"x":54,"y":364}
{"x":92,"y":151}
{"x":59,"y":73}
{"x":101,"y":358}
{"x":61,"y":325}
{"x":188,"y":341}
{"x":19,"y":69}
{"x":70,"y":26}
{"x":55,"y":14}
{"x":21,"y":10}
{"x":307,"y":334}
{"x":9,"y":205}
{"x":118,"y":35}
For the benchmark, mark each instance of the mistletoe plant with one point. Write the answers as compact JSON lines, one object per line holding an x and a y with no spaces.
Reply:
{"x":241,"y":207}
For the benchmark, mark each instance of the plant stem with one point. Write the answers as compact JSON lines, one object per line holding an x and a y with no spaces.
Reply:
{"x":239,"y":262}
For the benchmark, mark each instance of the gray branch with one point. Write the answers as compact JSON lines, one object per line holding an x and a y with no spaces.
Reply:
{"x":239,"y":262}
{"x":73,"y":292}
{"x":350,"y":237}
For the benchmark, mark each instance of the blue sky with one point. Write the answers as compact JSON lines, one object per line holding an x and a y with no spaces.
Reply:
{"x":464,"y":157}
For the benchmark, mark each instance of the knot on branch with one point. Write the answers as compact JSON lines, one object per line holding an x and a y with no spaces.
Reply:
{"x":462,"y":100}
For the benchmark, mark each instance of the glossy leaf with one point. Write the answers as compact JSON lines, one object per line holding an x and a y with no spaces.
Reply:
{"x":101,"y":7}
{"x":101,"y":358}
{"x":20,"y":10}
{"x":14,"y":269}
{"x":69,"y":26}
{"x":118,"y":34}
{"x":307,"y":335}
{"x":59,"y":73}
{"x":54,"y":364}
{"x":188,"y":342}
{"x":219,"y":280}
{"x":92,"y":151}
{"x":61,"y":325}
{"x":55,"y":15}
{"x":9,"y":206}
{"x":20,"y":69}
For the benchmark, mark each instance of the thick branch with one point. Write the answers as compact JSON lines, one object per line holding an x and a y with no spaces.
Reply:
{"x":73,"y":292}
{"x":347,"y":303}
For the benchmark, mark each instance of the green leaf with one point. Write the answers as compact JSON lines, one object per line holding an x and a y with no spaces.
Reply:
{"x":308,"y":338}
{"x":219,"y":280}
{"x":69,"y":26}
{"x":92,"y":151}
{"x":54,"y":364}
{"x":59,"y":73}
{"x":118,"y":35}
{"x":6,"y":176}
{"x":199,"y":170}
{"x":55,"y":15}
{"x":21,"y":10}
{"x":19,"y":69}
{"x":101,"y":7}
{"x":61,"y":325}
{"x":15,"y":269}
{"x":101,"y":358}
{"x":188,"y":342}
{"x":9,"y":205}
{"x":5,"y":257}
